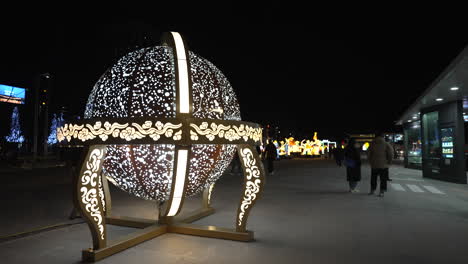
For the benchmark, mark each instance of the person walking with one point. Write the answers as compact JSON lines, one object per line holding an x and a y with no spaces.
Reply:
{"x":352,"y":161}
{"x":270,"y":156}
{"x":235,"y":164}
{"x":380,"y":156}
{"x":338,"y":155}
{"x":330,"y":152}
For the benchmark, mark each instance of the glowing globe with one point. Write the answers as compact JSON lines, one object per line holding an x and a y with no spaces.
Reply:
{"x":143,"y":84}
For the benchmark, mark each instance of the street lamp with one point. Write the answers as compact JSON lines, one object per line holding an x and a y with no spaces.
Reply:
{"x":41,"y":95}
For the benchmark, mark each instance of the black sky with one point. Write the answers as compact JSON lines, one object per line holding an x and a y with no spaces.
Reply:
{"x":331,"y":70}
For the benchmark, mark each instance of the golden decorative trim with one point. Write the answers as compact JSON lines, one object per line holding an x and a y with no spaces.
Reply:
{"x":101,"y":193}
{"x":252,"y":184}
{"x":193,"y":135}
{"x":125,"y":131}
{"x":229,"y":132}
{"x":89,"y":189}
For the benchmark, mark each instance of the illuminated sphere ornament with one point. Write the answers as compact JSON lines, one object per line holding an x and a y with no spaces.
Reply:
{"x":142,"y":84}
{"x":161,"y":124}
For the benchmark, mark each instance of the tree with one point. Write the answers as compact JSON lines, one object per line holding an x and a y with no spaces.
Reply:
{"x":56,"y":122}
{"x":15,"y":130}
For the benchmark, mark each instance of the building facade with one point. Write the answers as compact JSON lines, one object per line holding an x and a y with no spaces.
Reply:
{"x":434,"y":125}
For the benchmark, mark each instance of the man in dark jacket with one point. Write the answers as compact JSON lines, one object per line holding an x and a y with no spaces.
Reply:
{"x":270,"y":156}
{"x":235,"y":164}
{"x":380,"y":156}
{"x":352,"y":157}
{"x":338,"y":154}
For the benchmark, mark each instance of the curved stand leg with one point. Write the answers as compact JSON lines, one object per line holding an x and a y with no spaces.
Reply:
{"x":107,"y":203}
{"x":254,"y":180}
{"x":206,"y":198}
{"x":89,"y":195}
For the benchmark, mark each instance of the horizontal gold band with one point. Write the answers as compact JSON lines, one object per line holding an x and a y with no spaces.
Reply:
{"x":179,"y":131}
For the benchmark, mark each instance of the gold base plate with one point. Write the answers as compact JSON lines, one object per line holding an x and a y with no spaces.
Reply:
{"x":151,"y":229}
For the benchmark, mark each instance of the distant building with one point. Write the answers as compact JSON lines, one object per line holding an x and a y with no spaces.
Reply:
{"x":435,"y":125}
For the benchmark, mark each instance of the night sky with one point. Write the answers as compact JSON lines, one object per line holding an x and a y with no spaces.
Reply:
{"x":304,"y":69}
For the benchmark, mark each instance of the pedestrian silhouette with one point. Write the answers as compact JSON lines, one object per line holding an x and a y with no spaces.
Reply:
{"x":352,"y":161}
{"x":380,"y":155}
{"x":338,"y":154}
{"x":270,"y":156}
{"x":235,"y":164}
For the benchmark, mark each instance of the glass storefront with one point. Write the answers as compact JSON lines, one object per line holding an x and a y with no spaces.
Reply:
{"x":432,"y":146}
{"x":413,"y":144}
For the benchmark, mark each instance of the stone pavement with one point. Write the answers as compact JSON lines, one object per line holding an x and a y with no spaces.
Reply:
{"x":306,"y":215}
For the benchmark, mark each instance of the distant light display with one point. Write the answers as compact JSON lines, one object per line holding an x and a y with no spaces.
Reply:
{"x":57,"y":121}
{"x":15,"y":135}
{"x":143,"y":84}
{"x":305,"y":147}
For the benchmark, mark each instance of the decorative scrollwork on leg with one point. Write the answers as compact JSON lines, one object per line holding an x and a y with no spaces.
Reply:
{"x":254,"y":179}
{"x":90,"y":197}
{"x":101,"y":193}
{"x":104,"y":194}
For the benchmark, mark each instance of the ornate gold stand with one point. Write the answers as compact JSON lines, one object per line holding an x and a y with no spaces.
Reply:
{"x":92,"y":199}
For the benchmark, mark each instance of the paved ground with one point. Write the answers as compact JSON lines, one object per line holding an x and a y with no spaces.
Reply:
{"x":305,"y":216}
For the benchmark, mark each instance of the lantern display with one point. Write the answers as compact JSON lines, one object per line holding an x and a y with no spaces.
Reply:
{"x":305,"y":147}
{"x":162,"y":124}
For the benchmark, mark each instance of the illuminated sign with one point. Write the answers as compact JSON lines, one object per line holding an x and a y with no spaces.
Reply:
{"x":11,"y":94}
{"x":447,"y":142}
{"x":398,"y":137}
{"x":365,"y":146}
